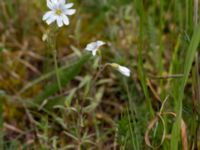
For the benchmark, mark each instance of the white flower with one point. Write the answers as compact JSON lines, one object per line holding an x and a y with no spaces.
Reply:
{"x":123,"y":70}
{"x":59,"y":12}
{"x":94,"y":46}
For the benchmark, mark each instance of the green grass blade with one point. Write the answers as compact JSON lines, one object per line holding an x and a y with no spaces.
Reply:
{"x":142,"y":76}
{"x":190,"y":55}
{"x":189,"y":59}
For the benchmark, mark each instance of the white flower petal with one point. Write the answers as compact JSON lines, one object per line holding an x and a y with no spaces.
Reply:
{"x":67,"y":6}
{"x":47,"y":15}
{"x":100,"y":43}
{"x":59,"y":21}
{"x":65,"y":20}
{"x":51,"y":19}
{"x":124,"y":70}
{"x":61,"y":2}
{"x":52,"y":4}
{"x":56,"y":4}
{"x":69,"y":11}
{"x":94,"y":52}
{"x":55,"y":1}
{"x":91,"y":46}
{"x":94,"y":47}
{"x":49,"y":4}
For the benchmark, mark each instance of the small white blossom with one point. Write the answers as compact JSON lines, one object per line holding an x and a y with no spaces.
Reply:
{"x":94,"y":46}
{"x":123,"y":70}
{"x":59,"y":12}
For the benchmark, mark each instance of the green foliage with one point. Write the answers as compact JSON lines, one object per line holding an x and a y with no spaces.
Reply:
{"x":178,"y":103}
{"x":66,"y":75}
{"x":124,"y":132}
{"x":155,"y":39}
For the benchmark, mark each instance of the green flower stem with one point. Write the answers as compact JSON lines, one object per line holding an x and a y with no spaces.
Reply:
{"x":52,"y":47}
{"x":56,"y":69}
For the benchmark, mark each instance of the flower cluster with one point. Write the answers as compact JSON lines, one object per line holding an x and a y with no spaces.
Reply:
{"x":59,"y":12}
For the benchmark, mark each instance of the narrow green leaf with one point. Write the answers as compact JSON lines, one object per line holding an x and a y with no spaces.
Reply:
{"x":190,"y":55}
{"x":65,"y":76}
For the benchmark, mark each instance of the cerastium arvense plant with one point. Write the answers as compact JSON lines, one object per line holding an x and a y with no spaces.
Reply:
{"x":59,"y":12}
